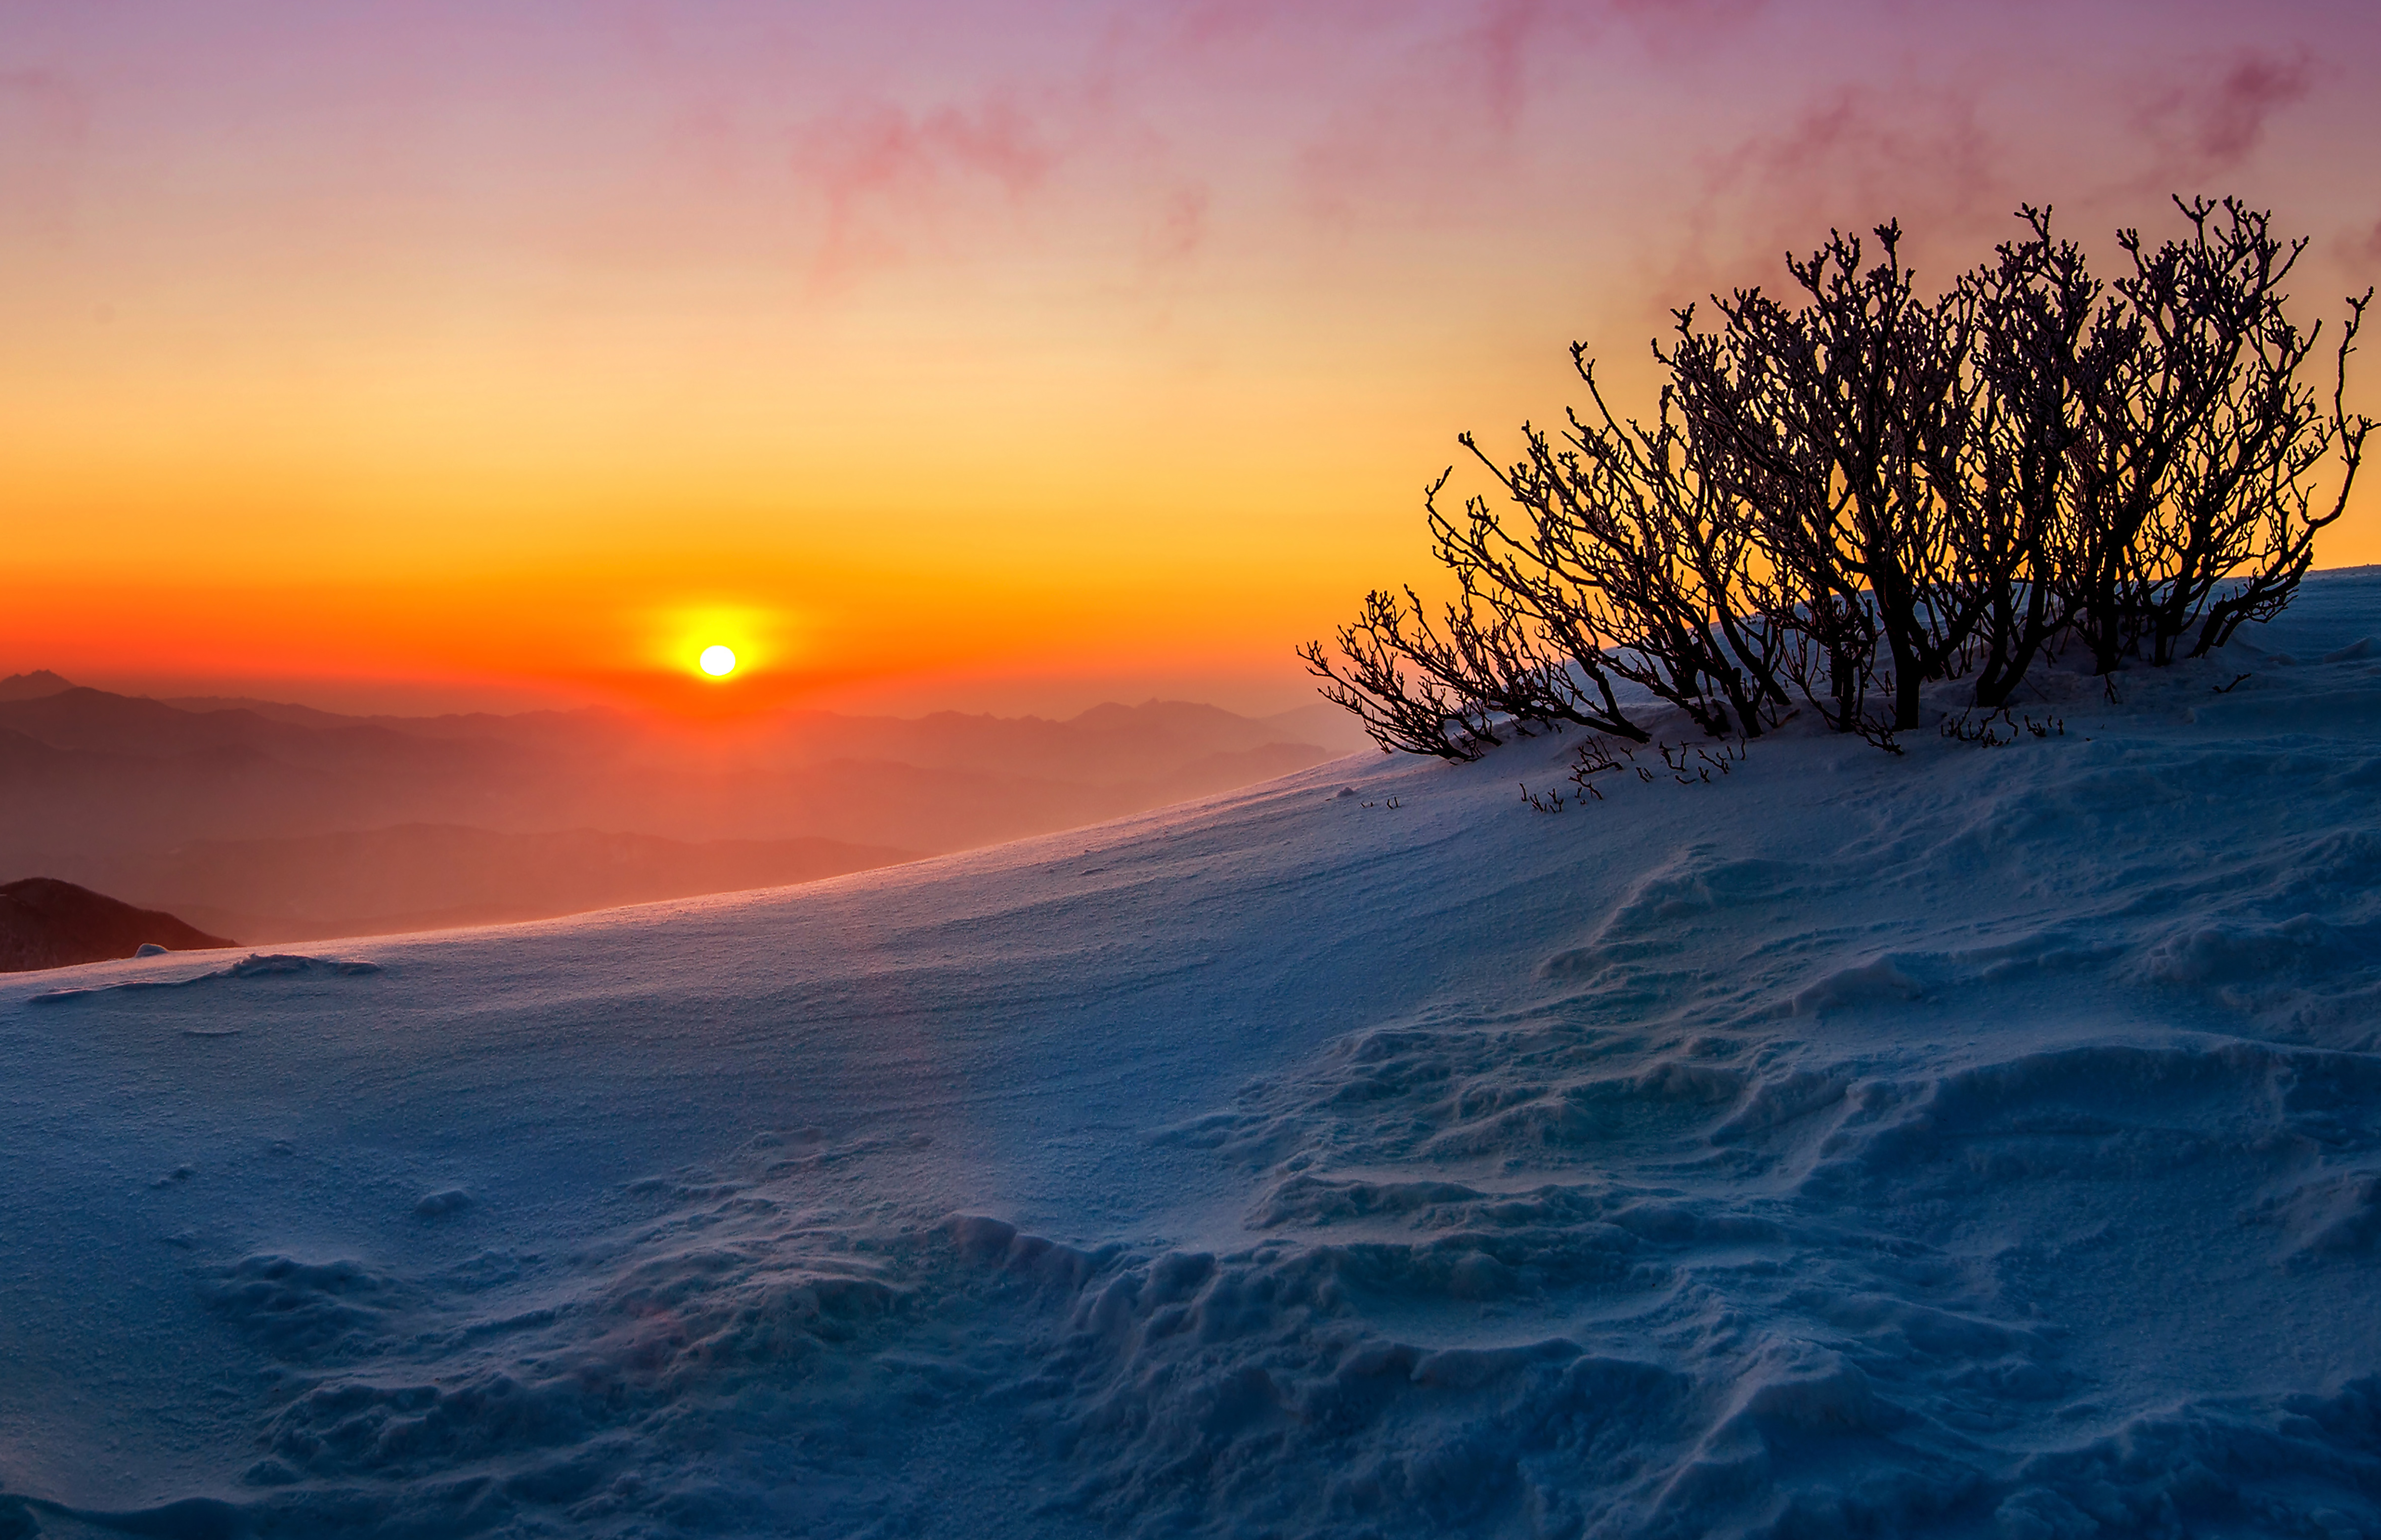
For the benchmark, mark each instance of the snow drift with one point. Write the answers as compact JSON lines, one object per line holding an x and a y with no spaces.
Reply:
{"x":1985,"y":1141}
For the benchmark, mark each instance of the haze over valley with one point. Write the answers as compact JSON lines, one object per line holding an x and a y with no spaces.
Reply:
{"x":266,"y":822}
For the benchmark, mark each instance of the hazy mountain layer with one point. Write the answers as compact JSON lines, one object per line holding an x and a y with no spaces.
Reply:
{"x":277,"y":822}
{"x":420,"y":877}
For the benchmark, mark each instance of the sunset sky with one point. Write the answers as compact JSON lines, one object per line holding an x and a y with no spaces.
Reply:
{"x":1010,"y":355}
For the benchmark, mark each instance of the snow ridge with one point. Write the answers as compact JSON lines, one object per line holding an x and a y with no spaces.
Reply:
{"x":1982,"y":1144}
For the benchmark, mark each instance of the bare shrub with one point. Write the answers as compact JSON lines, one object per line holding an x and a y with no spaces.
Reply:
{"x":1456,"y":687}
{"x":1857,"y":490}
{"x":1625,"y":556}
{"x":2193,"y":507}
{"x":1841,"y":424}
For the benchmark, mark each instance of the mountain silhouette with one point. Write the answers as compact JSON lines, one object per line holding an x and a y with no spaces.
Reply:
{"x":48,"y":924}
{"x":33,"y":685}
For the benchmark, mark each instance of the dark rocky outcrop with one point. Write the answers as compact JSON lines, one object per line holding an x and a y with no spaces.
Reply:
{"x":48,"y":924}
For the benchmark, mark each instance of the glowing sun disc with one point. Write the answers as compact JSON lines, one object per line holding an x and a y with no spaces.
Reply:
{"x":718,"y":661}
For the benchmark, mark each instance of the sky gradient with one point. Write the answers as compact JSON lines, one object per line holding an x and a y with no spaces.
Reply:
{"x":1012,"y":356}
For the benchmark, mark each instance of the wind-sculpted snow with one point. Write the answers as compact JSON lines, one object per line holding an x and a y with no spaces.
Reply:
{"x":1984,"y":1143}
{"x":256,"y":965}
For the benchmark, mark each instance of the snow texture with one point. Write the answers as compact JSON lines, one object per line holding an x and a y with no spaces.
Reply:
{"x":1980,"y":1142}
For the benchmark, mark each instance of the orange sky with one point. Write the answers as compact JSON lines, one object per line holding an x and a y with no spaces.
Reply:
{"x":1006,"y":356}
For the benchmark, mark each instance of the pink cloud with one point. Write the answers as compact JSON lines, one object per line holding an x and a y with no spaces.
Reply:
{"x":896,"y":183}
{"x":1673,"y":29}
{"x":1237,"y":26}
{"x":1498,"y":34}
{"x":889,"y":175}
{"x":1441,"y":105}
{"x":1178,"y":227}
{"x":2364,"y":246}
{"x":1498,"y":44}
{"x":1850,"y":159}
{"x":2211,"y":123}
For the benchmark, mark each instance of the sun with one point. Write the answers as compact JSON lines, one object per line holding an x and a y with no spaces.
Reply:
{"x":719,"y":649}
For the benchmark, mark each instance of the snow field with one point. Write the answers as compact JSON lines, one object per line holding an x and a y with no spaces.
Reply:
{"x":1984,"y":1142}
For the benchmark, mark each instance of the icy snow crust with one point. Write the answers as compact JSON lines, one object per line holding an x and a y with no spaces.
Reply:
{"x":1980,"y":1142}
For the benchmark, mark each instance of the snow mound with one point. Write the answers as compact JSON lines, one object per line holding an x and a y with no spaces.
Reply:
{"x":1984,"y":1142}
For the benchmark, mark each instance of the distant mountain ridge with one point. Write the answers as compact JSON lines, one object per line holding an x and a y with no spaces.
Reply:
{"x":33,"y":685}
{"x":269,"y":819}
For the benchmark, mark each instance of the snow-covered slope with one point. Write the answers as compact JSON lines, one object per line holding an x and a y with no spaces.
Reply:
{"x":1981,"y":1142}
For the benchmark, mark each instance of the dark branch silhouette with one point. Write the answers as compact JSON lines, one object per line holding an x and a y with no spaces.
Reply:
{"x":1855,"y":491}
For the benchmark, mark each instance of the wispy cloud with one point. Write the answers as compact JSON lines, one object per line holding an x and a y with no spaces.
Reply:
{"x":2364,"y":246}
{"x":1850,"y":157}
{"x":2209,"y":122}
{"x":890,"y":176}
